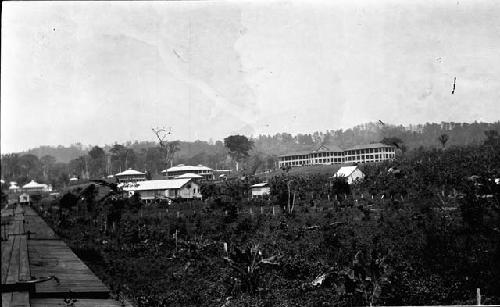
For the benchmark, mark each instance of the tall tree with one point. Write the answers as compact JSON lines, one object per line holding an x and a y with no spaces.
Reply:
{"x":167,"y":148}
{"x":443,"y":138}
{"x":492,"y":138}
{"x":48,"y":162}
{"x":238,"y":146}
{"x":97,"y":163}
{"x":30,"y":166}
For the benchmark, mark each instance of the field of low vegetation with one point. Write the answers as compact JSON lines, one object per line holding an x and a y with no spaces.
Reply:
{"x":423,"y":229}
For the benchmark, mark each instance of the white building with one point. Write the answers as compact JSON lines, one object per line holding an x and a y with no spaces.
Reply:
{"x":206,"y":172}
{"x":150,"y":190}
{"x":34,"y":187}
{"x":331,"y":154}
{"x":369,"y":153}
{"x":130,"y":175}
{"x":260,"y":189}
{"x":351,"y":173}
{"x":193,"y":176}
{"x":24,"y":199}
{"x":13,"y":187}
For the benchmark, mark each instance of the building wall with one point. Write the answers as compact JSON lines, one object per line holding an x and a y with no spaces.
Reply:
{"x":191,"y":190}
{"x":356,"y":175}
{"x":364,"y":155}
{"x":261,"y":191}
{"x":130,"y":178}
{"x":207,"y":174}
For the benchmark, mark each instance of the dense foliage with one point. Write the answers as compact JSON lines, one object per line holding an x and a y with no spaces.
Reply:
{"x":56,"y":165}
{"x":420,"y":230}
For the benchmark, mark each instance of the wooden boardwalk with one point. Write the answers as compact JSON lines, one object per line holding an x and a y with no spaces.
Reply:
{"x":38,"y":269}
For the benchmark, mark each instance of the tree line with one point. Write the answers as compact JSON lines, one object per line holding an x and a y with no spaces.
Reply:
{"x":48,"y":164}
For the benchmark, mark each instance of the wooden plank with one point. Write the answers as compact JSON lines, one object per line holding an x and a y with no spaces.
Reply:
{"x":13,"y":272}
{"x":6,"y":254}
{"x":6,"y":299}
{"x":39,"y":230}
{"x":54,"y":257}
{"x":20,"y":299}
{"x":15,"y":299}
{"x":49,"y":302}
{"x":24,"y":264}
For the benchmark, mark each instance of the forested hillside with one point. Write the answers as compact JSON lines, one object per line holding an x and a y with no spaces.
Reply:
{"x":56,"y":164}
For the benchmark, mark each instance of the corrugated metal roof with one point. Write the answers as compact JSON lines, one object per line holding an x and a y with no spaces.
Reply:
{"x":328,"y":148}
{"x":188,"y":175}
{"x":33,"y":184}
{"x":374,"y":145}
{"x":149,"y":185}
{"x":297,"y":153}
{"x":259,"y":185}
{"x":182,"y":167}
{"x":130,"y":172}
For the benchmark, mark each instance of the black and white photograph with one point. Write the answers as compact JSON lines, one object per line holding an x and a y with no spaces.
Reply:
{"x":250,"y":153}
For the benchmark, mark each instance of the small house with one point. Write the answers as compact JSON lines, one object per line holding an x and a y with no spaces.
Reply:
{"x":24,"y":199}
{"x":150,"y":190}
{"x":351,"y":173}
{"x":35,"y":187}
{"x":130,"y":175}
{"x":192,"y":176}
{"x":260,"y":190}
{"x":206,"y":172}
{"x":13,"y":187}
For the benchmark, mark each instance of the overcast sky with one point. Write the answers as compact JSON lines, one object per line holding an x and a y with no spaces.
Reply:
{"x":100,"y":72}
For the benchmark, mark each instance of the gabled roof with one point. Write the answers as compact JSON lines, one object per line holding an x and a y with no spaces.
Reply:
{"x":130,"y":172}
{"x":188,"y":175}
{"x":149,"y":185}
{"x":345,"y":171}
{"x":259,"y":185}
{"x":33,"y":185}
{"x":374,"y":145}
{"x":187,"y":168}
{"x":327,"y":148}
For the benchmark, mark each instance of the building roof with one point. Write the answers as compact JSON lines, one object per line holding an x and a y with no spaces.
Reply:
{"x":327,"y":148}
{"x":149,"y":185}
{"x":187,"y":168}
{"x":345,"y":171}
{"x":34,"y":185}
{"x":130,"y":172}
{"x":297,"y":153}
{"x":259,"y":185}
{"x":374,"y":145}
{"x":188,"y":175}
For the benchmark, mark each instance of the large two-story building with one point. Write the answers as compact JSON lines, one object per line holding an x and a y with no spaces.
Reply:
{"x":331,"y":154}
{"x":181,"y":169}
